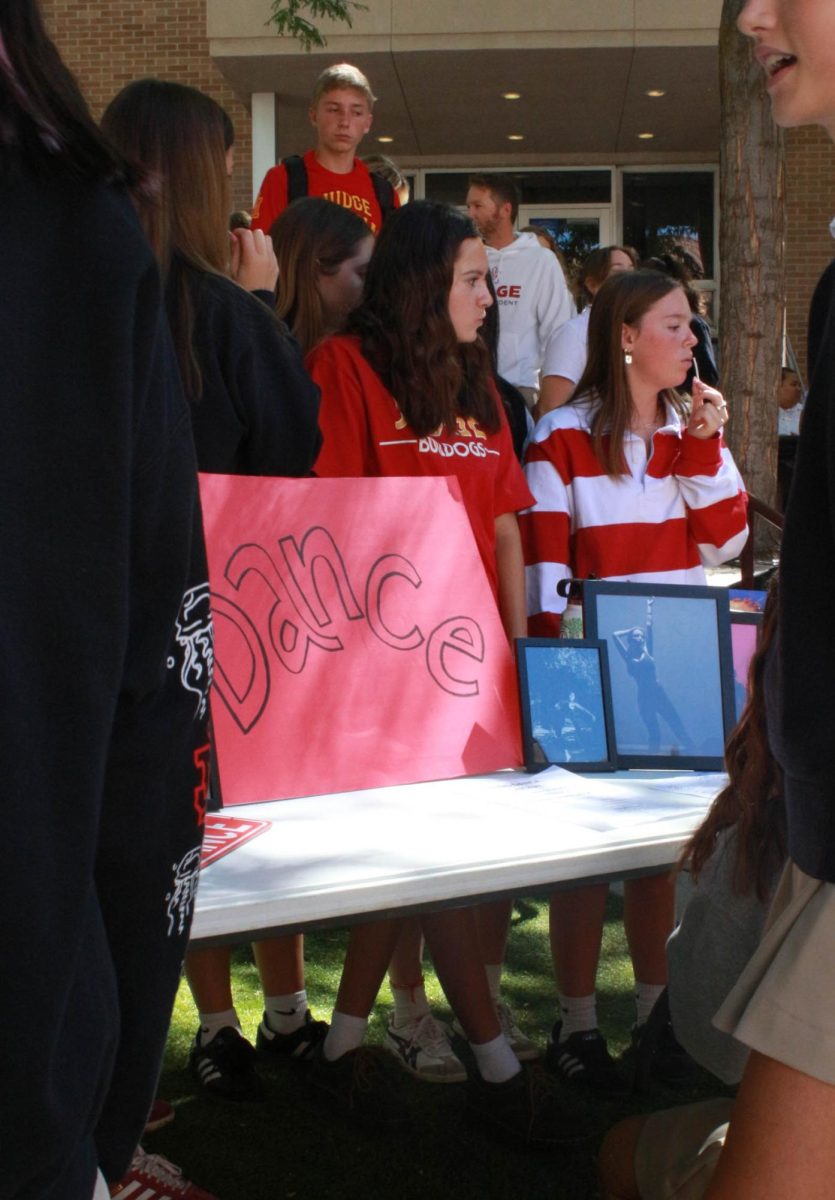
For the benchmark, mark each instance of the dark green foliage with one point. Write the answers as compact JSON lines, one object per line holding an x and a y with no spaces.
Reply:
{"x":287,"y":17}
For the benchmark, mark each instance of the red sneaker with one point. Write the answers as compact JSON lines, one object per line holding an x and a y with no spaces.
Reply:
{"x":153,"y":1177}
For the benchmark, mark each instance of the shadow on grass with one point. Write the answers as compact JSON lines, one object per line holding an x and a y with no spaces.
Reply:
{"x":288,"y":1149}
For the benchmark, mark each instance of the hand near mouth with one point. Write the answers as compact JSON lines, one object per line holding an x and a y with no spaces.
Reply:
{"x":709,"y":413}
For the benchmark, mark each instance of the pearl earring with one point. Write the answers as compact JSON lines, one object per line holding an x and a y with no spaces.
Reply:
{"x":627,"y":358}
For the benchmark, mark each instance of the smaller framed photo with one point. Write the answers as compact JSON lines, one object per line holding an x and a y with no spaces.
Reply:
{"x":566,"y":704}
{"x":745,"y":637}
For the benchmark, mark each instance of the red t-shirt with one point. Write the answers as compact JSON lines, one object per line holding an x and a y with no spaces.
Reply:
{"x":354,"y":190}
{"x":365,"y":434}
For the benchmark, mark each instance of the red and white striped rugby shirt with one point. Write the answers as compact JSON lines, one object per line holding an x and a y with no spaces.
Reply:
{"x":679,"y":509}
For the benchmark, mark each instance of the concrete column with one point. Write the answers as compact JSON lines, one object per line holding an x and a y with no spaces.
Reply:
{"x":264,"y":135}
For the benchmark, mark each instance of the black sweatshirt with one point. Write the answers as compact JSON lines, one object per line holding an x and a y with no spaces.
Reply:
{"x":258,"y":411}
{"x":105,"y":658}
{"x":801,"y":669}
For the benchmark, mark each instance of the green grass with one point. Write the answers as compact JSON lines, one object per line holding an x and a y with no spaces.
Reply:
{"x":287,"y":1149}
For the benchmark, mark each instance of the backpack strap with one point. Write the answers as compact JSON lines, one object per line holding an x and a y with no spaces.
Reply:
{"x":384,"y":193}
{"x":296,"y":177}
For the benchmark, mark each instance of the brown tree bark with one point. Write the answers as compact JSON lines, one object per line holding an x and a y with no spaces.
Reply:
{"x":752,"y":258}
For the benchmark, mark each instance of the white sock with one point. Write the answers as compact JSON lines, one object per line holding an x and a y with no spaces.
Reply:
{"x":493,"y":971}
{"x":410,"y":1003}
{"x":285,"y":1014}
{"x":346,"y":1033}
{"x":495,"y":1060}
{"x":212,"y":1023}
{"x":645,"y":996}
{"x":578,"y":1014}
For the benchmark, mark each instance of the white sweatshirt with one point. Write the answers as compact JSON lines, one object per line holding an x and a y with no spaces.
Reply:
{"x":534,"y":302}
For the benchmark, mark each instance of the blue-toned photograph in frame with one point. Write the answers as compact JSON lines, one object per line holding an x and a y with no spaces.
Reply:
{"x":669,"y":651}
{"x":565,"y":702}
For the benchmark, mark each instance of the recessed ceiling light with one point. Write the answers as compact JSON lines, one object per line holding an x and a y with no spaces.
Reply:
{"x":656,"y":92}
{"x":385,"y":139}
{"x":646,"y":137}
{"x":516,"y":137}
{"x":511,"y":95}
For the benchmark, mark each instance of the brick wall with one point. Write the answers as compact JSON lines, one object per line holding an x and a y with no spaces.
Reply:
{"x":810,"y":194}
{"x":110,"y":42}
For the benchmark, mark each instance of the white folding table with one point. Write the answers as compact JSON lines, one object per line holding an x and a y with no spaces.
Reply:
{"x":338,"y":859}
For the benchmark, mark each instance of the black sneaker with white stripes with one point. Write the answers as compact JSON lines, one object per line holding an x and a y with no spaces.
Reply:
{"x":583,"y":1058}
{"x":296,"y":1047}
{"x":225,"y":1066}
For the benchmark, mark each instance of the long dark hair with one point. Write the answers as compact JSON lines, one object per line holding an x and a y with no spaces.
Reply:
{"x":753,"y":799}
{"x":312,"y":237}
{"x":622,"y":300}
{"x":178,"y":136}
{"x":44,"y":119}
{"x":404,"y":326}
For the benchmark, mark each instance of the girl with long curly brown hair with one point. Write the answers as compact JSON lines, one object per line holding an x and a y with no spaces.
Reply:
{"x":409,"y":391}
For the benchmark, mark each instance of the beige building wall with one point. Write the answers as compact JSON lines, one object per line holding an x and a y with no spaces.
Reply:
{"x":441,"y":25}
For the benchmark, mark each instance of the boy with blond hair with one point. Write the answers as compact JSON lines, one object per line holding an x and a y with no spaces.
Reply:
{"x":341,"y":112}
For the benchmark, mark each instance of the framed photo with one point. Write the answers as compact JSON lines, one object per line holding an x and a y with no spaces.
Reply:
{"x":566,"y":705}
{"x":669,"y":662}
{"x":745,"y":635}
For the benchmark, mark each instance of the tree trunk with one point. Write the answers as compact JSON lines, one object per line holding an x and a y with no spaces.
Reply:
{"x":751,"y":253}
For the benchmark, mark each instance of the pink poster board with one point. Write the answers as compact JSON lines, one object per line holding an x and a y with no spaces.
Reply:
{"x":357,"y":641}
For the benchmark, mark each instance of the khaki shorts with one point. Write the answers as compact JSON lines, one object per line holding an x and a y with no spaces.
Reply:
{"x":782,"y":1004}
{"x":678,"y":1149}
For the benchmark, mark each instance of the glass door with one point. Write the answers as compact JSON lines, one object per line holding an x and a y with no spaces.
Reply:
{"x":576,"y":229}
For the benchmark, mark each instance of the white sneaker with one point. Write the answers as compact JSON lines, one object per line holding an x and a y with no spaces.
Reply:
{"x":422,"y":1048}
{"x":521,"y":1045}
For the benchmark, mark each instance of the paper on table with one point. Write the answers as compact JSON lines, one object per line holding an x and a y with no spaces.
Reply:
{"x":617,"y":802}
{"x":621,"y":801}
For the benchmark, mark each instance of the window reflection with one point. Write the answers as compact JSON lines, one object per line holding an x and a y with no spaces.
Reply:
{"x":665,"y":211}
